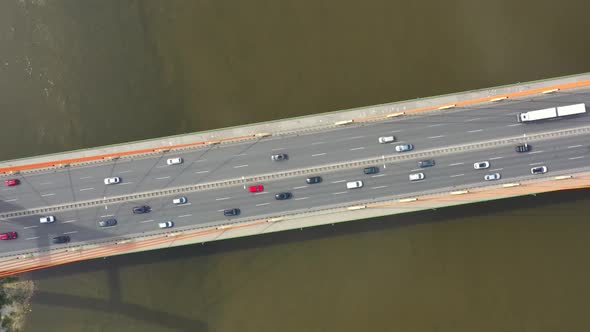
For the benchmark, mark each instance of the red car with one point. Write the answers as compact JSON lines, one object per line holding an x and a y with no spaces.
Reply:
{"x":11,"y":182}
{"x":8,"y":236}
{"x":256,"y":188}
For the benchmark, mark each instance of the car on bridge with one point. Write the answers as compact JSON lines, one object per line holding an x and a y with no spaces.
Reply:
{"x":492,"y":177}
{"x":256,"y":188}
{"x":107,"y":223}
{"x":539,"y":170}
{"x":166,"y":224}
{"x":371,"y":170}
{"x":404,"y":147}
{"x":179,"y":200}
{"x":523,"y":148}
{"x":426,"y":163}
{"x":141,"y":209}
{"x":174,"y":161}
{"x":481,"y":165}
{"x":231,"y":212}
{"x":11,"y":182}
{"x":386,"y":139}
{"x":283,"y":196}
{"x":313,"y":179}
{"x":112,"y":180}
{"x":354,"y":184}
{"x":47,"y":219}
{"x":279,"y":157}
{"x":8,"y":236}
{"x":61,"y":239}
{"x":416,"y":176}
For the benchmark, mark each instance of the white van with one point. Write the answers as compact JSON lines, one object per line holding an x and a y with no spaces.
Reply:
{"x":354,"y":184}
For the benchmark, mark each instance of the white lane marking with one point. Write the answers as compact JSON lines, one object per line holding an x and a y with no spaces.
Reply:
{"x":475,"y":131}
{"x":339,"y":193}
{"x":261,"y":204}
{"x":261,"y":193}
{"x":72,"y":232}
{"x":221,"y":210}
{"x":201,"y":172}
{"x":514,"y":125}
{"x":28,"y":227}
{"x":318,"y":154}
{"x":240,"y":155}
{"x":455,"y":164}
{"x":513,"y":113}
{"x":107,"y":215}
{"x":339,"y":181}
{"x":163,"y":178}
{"x":539,"y":163}
{"x":32,"y":238}
{"x":495,"y":170}
{"x":240,"y":166}
{"x":44,"y":183}
{"x":536,"y":152}
{"x":495,"y":158}
{"x":472,"y":120}
{"x":299,"y":187}
{"x":275,"y":149}
{"x":439,"y":136}
{"x":300,"y":198}
{"x":86,"y":177}
{"x":222,"y":198}
{"x":45,"y":195}
{"x":84,"y":189}
{"x":199,"y":160}
{"x":574,"y":146}
{"x":574,"y":158}
{"x":355,"y":137}
{"x":127,"y":171}
{"x":416,"y":169}
{"x":141,"y":222}
{"x":124,"y":183}
{"x":454,"y":176}
{"x":395,"y":131}
{"x":436,"y":125}
{"x":379,"y":187}
{"x":69,"y":221}
{"x":360,"y":148}
{"x":184,"y":215}
{"x":316,"y":143}
{"x":378,"y":175}
{"x":11,"y":200}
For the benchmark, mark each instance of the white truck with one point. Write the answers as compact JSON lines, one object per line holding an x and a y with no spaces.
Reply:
{"x":549,"y":113}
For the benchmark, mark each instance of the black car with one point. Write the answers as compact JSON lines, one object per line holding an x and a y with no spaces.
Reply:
{"x":523,"y":148}
{"x":61,"y":239}
{"x":279,"y":157}
{"x":231,"y":212}
{"x":107,"y":223}
{"x":314,"y":179}
{"x":141,"y":209}
{"x":283,"y":196}
{"x":371,"y":170}
{"x":426,"y":163}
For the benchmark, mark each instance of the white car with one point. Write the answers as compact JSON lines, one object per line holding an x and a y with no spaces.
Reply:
{"x":113,"y":180}
{"x":165,"y":224}
{"x":404,"y":147}
{"x":354,"y":184}
{"x":481,"y":165}
{"x":179,"y":200}
{"x":416,"y":176}
{"x":386,"y":139}
{"x":539,"y":170}
{"x":492,"y":177}
{"x":174,"y":161}
{"x":47,"y":219}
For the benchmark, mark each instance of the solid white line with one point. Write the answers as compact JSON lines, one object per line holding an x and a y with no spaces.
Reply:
{"x":514,"y":125}
{"x":378,"y":175}
{"x":495,"y":158}
{"x":439,"y":136}
{"x":107,"y":215}
{"x":240,"y":155}
{"x":379,"y":187}
{"x":339,"y":181}
{"x":68,"y":221}
{"x":353,"y":149}
{"x":318,"y":154}
{"x":574,"y":146}
{"x":316,"y":143}
{"x":436,"y":125}
{"x":184,"y":215}
{"x":338,"y":193}
{"x":72,"y":232}
{"x":124,"y":183}
{"x":201,"y":172}
{"x":141,"y":222}
{"x":32,"y":238}
{"x":163,"y":178}
{"x":455,"y":164}
{"x":299,"y":187}
{"x":453,"y":176}
{"x":31,"y":227}
{"x":86,"y":177}
{"x":261,"y":204}
{"x":44,"y":183}
{"x":496,"y":169}
{"x":472,"y":120}
{"x":539,"y":163}
{"x":11,"y":200}
{"x":300,"y":198}
{"x":475,"y":131}
{"x":536,"y":152}
{"x":222,"y":198}
{"x":574,"y":158}
{"x":84,"y":189}
{"x":45,"y":195}
{"x":239,"y":166}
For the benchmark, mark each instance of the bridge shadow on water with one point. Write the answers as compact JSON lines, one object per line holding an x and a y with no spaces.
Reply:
{"x":113,"y":265}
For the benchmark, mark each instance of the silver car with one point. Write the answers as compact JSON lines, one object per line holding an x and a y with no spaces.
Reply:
{"x":492,"y":177}
{"x":386,"y":139}
{"x":165,"y":224}
{"x":481,"y":165}
{"x":404,"y":147}
{"x":113,"y":180}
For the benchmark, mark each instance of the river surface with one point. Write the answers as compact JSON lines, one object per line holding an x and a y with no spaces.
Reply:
{"x":77,"y":74}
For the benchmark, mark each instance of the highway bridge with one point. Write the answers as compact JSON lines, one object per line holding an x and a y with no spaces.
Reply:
{"x":215,"y":177}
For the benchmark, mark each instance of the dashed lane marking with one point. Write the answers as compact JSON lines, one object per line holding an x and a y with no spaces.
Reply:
{"x":456,"y":175}
{"x":240,"y":166}
{"x":261,"y":204}
{"x":318,"y":154}
{"x":84,"y":189}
